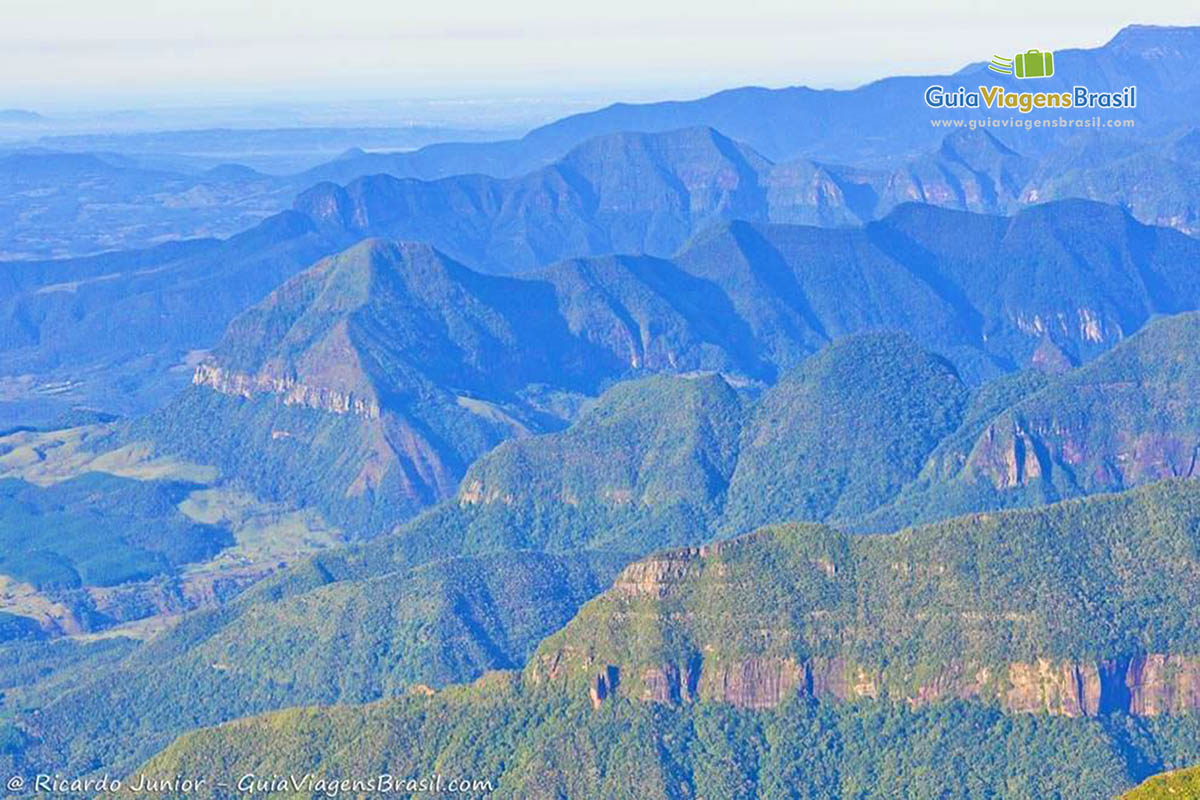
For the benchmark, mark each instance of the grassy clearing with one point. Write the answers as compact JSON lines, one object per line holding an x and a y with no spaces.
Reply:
{"x":48,"y":457}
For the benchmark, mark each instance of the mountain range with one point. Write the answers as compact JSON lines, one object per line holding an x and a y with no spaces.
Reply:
{"x":388,"y":369}
{"x":76,"y":196}
{"x":743,"y":447}
{"x":541,"y":524}
{"x":839,"y":126}
{"x":648,"y":193}
{"x":872,"y":432}
{"x":652,"y":194}
{"x":782,"y":653}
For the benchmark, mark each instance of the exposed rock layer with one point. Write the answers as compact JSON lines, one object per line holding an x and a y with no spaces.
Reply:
{"x":287,"y":389}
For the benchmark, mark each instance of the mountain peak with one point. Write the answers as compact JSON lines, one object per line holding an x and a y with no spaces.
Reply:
{"x":232,"y":172}
{"x":20,"y":115}
{"x":327,"y":204}
{"x":697,"y":145}
{"x":1156,"y":41}
{"x":351,"y":277}
{"x":1074,"y":210}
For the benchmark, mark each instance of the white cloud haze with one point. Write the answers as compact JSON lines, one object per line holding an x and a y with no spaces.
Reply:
{"x":62,"y":51}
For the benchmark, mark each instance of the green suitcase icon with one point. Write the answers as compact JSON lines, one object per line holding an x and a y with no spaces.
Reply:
{"x":1034,"y":64}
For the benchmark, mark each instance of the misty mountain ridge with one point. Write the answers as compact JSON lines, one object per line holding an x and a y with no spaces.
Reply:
{"x":797,"y":121}
{"x":650,"y":192}
{"x":806,"y":128}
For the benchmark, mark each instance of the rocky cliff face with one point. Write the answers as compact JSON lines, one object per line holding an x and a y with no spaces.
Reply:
{"x":802,"y":610}
{"x":382,"y":450}
{"x":1163,"y":684}
{"x":1146,"y":686}
{"x":1019,"y":451}
{"x":1126,"y":419}
{"x":287,"y":389}
{"x":1010,"y":456}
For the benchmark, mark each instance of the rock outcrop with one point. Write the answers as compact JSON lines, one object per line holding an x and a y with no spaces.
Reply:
{"x":929,"y":615}
{"x":1146,"y":686}
{"x":289,"y":391}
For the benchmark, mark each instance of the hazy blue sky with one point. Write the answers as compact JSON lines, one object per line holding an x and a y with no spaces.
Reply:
{"x":55,"y":53}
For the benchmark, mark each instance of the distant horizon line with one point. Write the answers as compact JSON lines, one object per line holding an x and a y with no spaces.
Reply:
{"x":292,"y":98}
